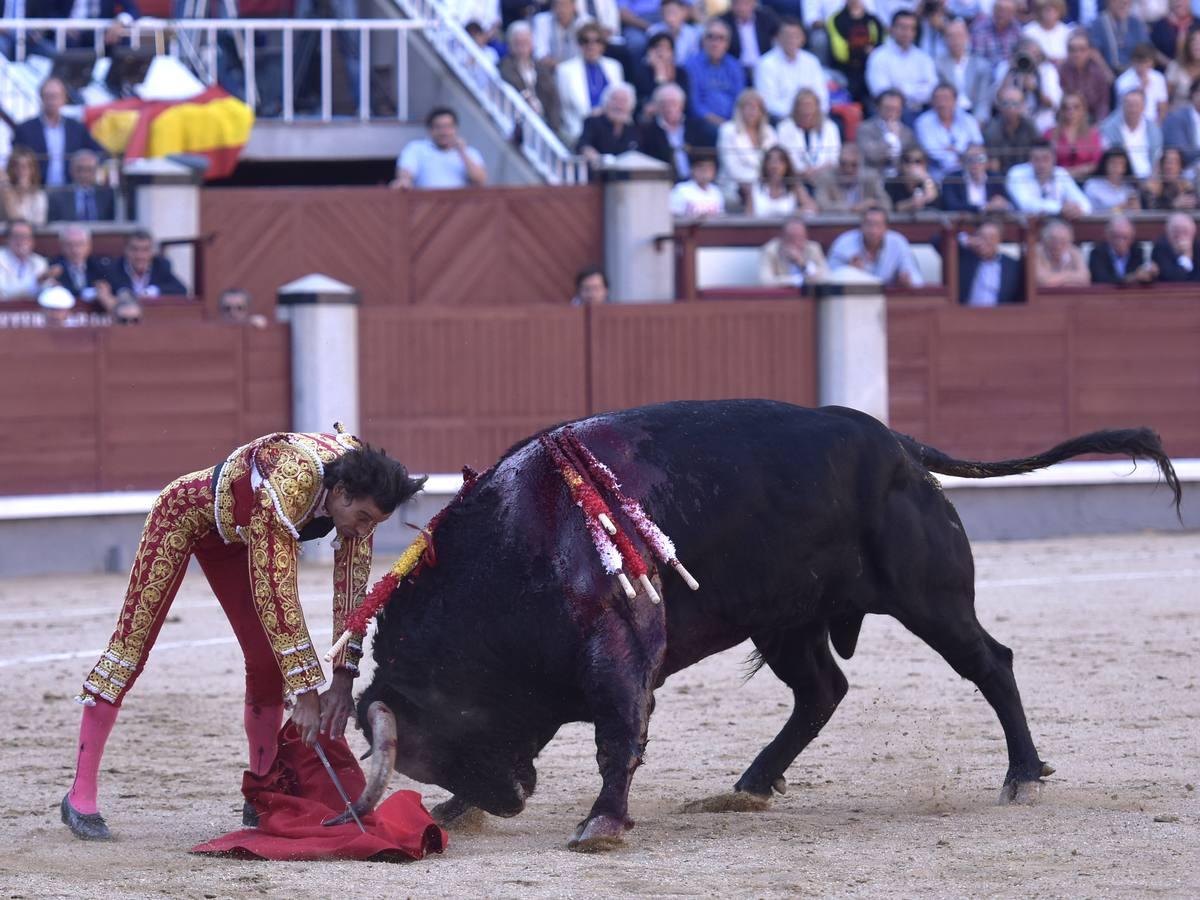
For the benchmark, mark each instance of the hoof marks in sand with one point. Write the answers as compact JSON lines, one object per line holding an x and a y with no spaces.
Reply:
{"x":1021,"y":793}
{"x":734,"y":801}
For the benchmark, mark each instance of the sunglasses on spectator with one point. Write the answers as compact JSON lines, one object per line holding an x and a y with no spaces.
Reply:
{"x":591,"y":40}
{"x":977,"y":158}
{"x":914,"y":159}
{"x":1010,"y":104}
{"x":715,"y":36}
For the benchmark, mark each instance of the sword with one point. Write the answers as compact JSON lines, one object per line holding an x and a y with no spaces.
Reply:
{"x":338,"y":784}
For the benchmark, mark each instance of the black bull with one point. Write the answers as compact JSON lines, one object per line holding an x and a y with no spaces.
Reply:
{"x":796,"y":522}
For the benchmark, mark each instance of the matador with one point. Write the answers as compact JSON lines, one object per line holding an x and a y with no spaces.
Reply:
{"x":243,"y":520}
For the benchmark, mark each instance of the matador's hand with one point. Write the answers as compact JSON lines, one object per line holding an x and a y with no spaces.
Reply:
{"x":337,"y":704}
{"x":307,"y":716}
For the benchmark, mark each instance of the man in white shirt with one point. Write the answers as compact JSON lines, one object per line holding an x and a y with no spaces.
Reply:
{"x":787,"y":68}
{"x":878,"y":251}
{"x":21,"y":270}
{"x":1128,"y":128}
{"x":1142,"y":74}
{"x":900,"y":65}
{"x":443,"y":160}
{"x":698,"y":198}
{"x":1040,"y":186}
{"x":946,"y":131}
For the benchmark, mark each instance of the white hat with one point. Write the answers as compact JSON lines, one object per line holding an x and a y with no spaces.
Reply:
{"x":56,"y":297}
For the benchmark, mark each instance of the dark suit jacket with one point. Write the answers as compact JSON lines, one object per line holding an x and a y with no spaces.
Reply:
{"x":96,"y":269}
{"x":766,"y":24}
{"x":654,"y":142}
{"x":598,"y":134}
{"x":29,"y":134}
{"x":1168,"y":268}
{"x":161,"y":277}
{"x":63,"y":207}
{"x":1012,"y":281}
{"x":1100,"y":263}
{"x":644,"y":83}
{"x":954,"y":193}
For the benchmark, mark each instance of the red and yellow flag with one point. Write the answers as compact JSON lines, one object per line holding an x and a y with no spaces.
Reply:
{"x":213,"y":123}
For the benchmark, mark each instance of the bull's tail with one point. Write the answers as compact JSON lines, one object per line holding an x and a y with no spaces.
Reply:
{"x":1136,"y":443}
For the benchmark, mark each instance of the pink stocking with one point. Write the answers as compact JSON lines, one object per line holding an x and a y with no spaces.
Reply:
{"x":262,"y":730}
{"x":94,"y":730}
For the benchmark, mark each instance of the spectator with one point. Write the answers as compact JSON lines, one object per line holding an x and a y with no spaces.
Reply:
{"x":85,"y":200}
{"x":126,"y":310}
{"x":1128,"y":128}
{"x":637,"y":16}
{"x":698,"y":197}
{"x":1184,"y":69}
{"x":1109,"y":189}
{"x":442,"y":160}
{"x":234,"y":306}
{"x":1085,"y":72}
{"x":1048,"y":29}
{"x":1076,"y":142}
{"x":1170,"y":33}
{"x":485,"y":13}
{"x":21,"y":194}
{"x":660,"y":68}
{"x":884,"y":137}
{"x":899,"y":65}
{"x":22,"y":271}
{"x":56,"y":304}
{"x":1039,"y":186}
{"x":849,"y":188}
{"x":1011,"y":133}
{"x":555,"y":32}
{"x":1142,"y":74}
{"x":811,"y":140}
{"x":931,"y":17}
{"x":139,"y":272}
{"x":792,"y":259}
{"x":76,"y":269}
{"x":946,"y":131}
{"x":612,"y":132}
{"x":1175,"y":253}
{"x":671,"y":134}
{"x":1182,"y":127}
{"x":853,"y":35}
{"x":591,"y":287}
{"x":779,"y":192}
{"x":685,"y":37}
{"x":995,"y":38}
{"x":1119,"y":259}
{"x":914,"y":190}
{"x":716,"y":77}
{"x":1170,"y":187}
{"x":53,"y":137}
{"x":532,"y":78}
{"x":1036,"y":79}
{"x":987,"y":277}
{"x":1056,"y":260}
{"x":1116,"y":31}
{"x":741,"y":143}
{"x":752,"y":30}
{"x":582,"y":80}
{"x":877,"y":250}
{"x":974,"y":189}
{"x":970,"y":75}
{"x":786,"y":69}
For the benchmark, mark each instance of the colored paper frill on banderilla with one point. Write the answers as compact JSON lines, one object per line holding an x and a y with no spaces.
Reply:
{"x":296,"y":795}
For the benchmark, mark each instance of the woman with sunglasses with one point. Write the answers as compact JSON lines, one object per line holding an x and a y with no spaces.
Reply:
{"x":1076,"y":141}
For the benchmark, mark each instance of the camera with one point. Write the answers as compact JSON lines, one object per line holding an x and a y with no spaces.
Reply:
{"x":1024,"y":64}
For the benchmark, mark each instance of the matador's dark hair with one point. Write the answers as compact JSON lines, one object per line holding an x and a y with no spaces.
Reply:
{"x":368,"y":472}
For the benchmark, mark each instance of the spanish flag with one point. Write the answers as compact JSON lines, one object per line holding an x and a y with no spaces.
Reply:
{"x":212,"y":123}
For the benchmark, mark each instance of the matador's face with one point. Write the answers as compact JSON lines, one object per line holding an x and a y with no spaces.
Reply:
{"x":353,"y":518}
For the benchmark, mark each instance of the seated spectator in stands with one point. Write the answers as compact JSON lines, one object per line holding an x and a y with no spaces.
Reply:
{"x":787,"y":68}
{"x":1116,"y":31}
{"x":83,"y":200}
{"x":1048,"y":29}
{"x":234,"y":306}
{"x":698,"y":197}
{"x":1176,"y":253}
{"x":126,"y":310}
{"x":485,"y":13}
{"x":898,"y":64}
{"x":752,"y":30}
{"x":1110,"y":188}
{"x":582,"y":80}
{"x":612,"y":132}
{"x":1129,"y":129}
{"x":877,"y":250}
{"x":533,"y":79}
{"x":974,"y":189}
{"x":931,"y":24}
{"x":1085,"y":72}
{"x":22,"y":272}
{"x":945,"y":132}
{"x":913,"y":190}
{"x":1040,"y":186}
{"x":1183,"y":71}
{"x":854,"y":33}
{"x":140,"y":272}
{"x":987,"y":277}
{"x":849,"y":187}
{"x":779,"y":191}
{"x":995,"y":37}
{"x":671,"y":134}
{"x":637,"y":17}
{"x":76,"y":268}
{"x":970,"y":75}
{"x":791,"y":259}
{"x":1076,"y":142}
{"x":555,"y":32}
{"x":811,"y":139}
{"x":1170,"y":33}
{"x":741,"y":143}
{"x":483,"y":41}
{"x":661,"y":67}
{"x":56,"y":304}
{"x":1142,"y":74}
{"x":685,"y":37}
{"x":591,"y":287}
{"x":1056,"y":259}
{"x":1011,"y":133}
{"x":1037,"y":80}
{"x":884,"y":137}
{"x":1182,"y":127}
{"x":53,"y":137}
{"x":716,"y":77}
{"x":1170,"y":187}
{"x":442,"y":160}
{"x":21,"y":194}
{"x":1120,"y":259}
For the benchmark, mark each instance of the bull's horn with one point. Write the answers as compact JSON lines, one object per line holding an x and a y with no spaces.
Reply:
{"x":383,"y":761}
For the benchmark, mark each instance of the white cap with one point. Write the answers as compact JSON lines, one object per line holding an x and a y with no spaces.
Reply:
{"x":56,"y":297}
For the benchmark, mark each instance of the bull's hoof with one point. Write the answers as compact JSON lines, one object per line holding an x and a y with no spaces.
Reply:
{"x":734,"y":801}
{"x":1021,"y":793}
{"x":458,"y":815}
{"x":599,"y":834}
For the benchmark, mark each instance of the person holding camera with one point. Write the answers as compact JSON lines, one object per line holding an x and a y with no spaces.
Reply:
{"x":1036,"y":79}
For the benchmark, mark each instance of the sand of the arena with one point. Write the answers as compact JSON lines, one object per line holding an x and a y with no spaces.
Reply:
{"x":896,"y":797}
